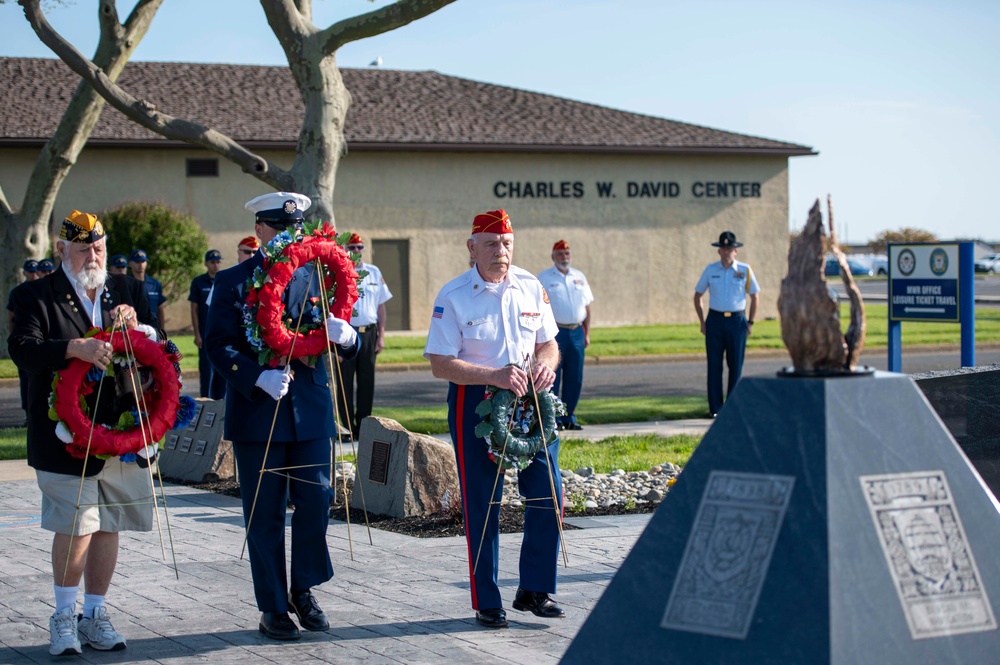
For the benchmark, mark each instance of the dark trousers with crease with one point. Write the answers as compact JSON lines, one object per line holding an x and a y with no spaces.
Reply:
{"x":308,"y":465}
{"x":569,"y":374}
{"x":481,"y":506}
{"x":361,"y":368}
{"x":210,"y":383}
{"x":724,"y":335}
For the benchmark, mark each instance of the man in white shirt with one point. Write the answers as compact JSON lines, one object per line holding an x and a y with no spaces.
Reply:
{"x":369,"y":322}
{"x":570,"y":297}
{"x":484,"y":324}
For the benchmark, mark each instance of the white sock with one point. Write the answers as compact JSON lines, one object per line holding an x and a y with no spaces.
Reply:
{"x":91,"y":601}
{"x":65,"y":596}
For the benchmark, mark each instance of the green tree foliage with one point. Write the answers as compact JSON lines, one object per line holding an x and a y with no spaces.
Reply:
{"x":172,"y":239}
{"x":906,"y":234}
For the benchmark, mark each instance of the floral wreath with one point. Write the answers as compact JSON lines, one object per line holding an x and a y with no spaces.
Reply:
{"x":269,"y":329}
{"x":168,"y":409}
{"x":515,"y":445}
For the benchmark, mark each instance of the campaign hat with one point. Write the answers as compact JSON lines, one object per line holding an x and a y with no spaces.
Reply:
{"x":727,"y":239}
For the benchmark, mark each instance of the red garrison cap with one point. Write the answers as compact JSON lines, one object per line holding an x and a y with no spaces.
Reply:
{"x":560,"y":244}
{"x":355,"y":240}
{"x":249,"y":241}
{"x":494,"y":221}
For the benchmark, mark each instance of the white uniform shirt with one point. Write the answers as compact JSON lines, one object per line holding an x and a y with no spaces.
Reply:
{"x":372,"y":292}
{"x":482,"y":324}
{"x":728,"y":289}
{"x":569,"y":294}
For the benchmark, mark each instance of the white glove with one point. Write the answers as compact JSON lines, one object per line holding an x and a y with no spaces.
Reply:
{"x":147,"y":330}
{"x":340,"y":332}
{"x":274,"y":382}
{"x":147,"y":455}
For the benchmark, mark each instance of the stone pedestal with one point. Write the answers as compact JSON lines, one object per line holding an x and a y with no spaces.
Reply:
{"x":198,"y":453}
{"x":819,"y":521}
{"x":402,"y":474}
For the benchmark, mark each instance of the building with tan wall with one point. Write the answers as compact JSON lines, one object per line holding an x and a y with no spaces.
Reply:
{"x":639,"y":198}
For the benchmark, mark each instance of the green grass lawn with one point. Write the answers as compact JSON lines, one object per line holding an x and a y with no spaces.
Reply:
{"x":636,"y":452}
{"x":12,"y":443}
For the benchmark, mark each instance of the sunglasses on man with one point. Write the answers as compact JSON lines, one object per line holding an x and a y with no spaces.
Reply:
{"x":355,"y":248}
{"x":246,"y":252}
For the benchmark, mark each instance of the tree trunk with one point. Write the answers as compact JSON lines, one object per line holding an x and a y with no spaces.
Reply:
{"x":25,"y":233}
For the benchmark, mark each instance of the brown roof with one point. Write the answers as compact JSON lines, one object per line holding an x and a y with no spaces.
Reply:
{"x":391,"y":110}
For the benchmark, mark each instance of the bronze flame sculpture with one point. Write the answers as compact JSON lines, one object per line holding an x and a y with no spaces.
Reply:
{"x":810,"y":308}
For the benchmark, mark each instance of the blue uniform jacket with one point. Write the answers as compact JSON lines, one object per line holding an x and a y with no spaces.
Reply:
{"x":306,"y":412}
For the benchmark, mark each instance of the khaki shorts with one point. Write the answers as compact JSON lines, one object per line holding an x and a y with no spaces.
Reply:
{"x":119,"y":498}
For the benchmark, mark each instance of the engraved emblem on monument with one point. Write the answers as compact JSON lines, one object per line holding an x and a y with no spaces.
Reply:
{"x":928,"y":555}
{"x":728,"y":553}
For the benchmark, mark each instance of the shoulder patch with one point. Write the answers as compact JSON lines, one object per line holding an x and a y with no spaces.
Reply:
{"x":545,"y":295}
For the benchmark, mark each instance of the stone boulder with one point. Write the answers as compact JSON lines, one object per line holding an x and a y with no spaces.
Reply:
{"x":403,"y":474}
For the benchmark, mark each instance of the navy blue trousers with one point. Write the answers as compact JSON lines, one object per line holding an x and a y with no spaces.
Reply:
{"x":481,"y":505}
{"x":210,"y":383}
{"x":569,"y":374}
{"x":724,"y":335}
{"x":308,"y":464}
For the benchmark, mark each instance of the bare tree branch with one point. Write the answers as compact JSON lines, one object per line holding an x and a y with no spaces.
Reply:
{"x":145,"y":113}
{"x":377,"y":22}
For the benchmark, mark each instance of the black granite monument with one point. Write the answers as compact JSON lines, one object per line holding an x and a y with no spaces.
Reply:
{"x":821,"y":520}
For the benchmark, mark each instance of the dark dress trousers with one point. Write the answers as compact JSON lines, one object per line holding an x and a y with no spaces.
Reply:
{"x":300,"y":442}
{"x":47,"y":315}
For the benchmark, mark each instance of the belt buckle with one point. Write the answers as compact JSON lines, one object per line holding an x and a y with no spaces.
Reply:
{"x":362,"y":329}
{"x":727,"y":314}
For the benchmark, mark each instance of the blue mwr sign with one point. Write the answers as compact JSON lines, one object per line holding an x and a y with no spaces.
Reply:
{"x":923,"y":282}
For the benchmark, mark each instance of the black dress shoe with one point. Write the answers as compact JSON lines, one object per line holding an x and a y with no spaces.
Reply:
{"x":574,"y":426}
{"x":306,"y":608}
{"x":492,"y":618}
{"x":278,"y":626}
{"x":537,"y":603}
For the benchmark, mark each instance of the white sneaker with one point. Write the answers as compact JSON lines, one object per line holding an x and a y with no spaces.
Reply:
{"x":62,"y":633}
{"x":99,"y":633}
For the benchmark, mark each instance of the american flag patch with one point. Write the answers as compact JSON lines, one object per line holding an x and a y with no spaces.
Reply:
{"x":438,"y":312}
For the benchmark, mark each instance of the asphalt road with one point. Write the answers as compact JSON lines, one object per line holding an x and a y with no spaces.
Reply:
{"x":987,"y":289}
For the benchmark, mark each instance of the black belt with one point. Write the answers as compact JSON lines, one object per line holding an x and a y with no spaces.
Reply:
{"x":361,"y":329}
{"x":739,"y":312}
{"x":571,"y":326}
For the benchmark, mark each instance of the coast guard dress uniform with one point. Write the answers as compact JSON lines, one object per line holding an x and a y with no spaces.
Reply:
{"x":726,"y":326}
{"x":493,"y":325}
{"x":299,"y":444}
{"x":570,"y":297}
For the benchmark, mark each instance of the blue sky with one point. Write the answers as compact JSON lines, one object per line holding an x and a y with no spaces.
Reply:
{"x":901,"y":99}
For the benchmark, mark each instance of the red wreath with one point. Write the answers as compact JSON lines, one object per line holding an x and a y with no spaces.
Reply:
{"x":72,"y":386}
{"x":339,"y":279}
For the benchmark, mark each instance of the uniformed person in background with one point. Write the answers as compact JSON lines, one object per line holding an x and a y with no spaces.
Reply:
{"x":29,"y":272}
{"x":45,"y":267}
{"x":484,"y":323}
{"x":211,"y":385}
{"x":287,"y":413}
{"x":370,"y":324}
{"x":730,"y":284}
{"x":138,"y":261}
{"x":570,"y":297}
{"x":246,"y":248}
{"x":118,"y":265}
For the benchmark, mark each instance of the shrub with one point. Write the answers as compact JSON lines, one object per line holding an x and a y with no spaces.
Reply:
{"x":172,"y":239}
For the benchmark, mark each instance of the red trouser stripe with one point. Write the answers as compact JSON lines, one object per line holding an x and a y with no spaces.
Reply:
{"x":460,"y":450}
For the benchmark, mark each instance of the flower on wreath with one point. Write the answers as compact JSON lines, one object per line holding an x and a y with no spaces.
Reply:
{"x":516,"y":428}
{"x":271,"y":331}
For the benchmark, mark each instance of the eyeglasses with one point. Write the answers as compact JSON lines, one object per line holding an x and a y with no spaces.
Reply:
{"x":248,"y":252}
{"x":355,"y":248}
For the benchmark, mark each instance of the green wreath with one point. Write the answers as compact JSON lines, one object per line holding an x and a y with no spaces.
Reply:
{"x":512,"y":429}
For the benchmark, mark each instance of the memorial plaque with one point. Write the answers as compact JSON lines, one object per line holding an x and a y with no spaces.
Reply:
{"x":171,"y":442}
{"x":199,"y":447}
{"x":194,"y":421}
{"x":378,"y":470}
{"x":209,"y":419}
{"x":185,"y":444}
{"x":927,"y":551}
{"x":728,"y":552}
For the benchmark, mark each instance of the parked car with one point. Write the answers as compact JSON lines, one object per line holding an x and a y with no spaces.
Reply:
{"x":857,"y":268}
{"x":880,"y":265}
{"x":989,"y":264}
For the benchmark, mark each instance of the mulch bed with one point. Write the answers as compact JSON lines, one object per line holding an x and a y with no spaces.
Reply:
{"x":441,"y":525}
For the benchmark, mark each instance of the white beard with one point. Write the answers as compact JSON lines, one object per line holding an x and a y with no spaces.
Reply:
{"x":92,"y":276}
{"x":564,"y":266}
